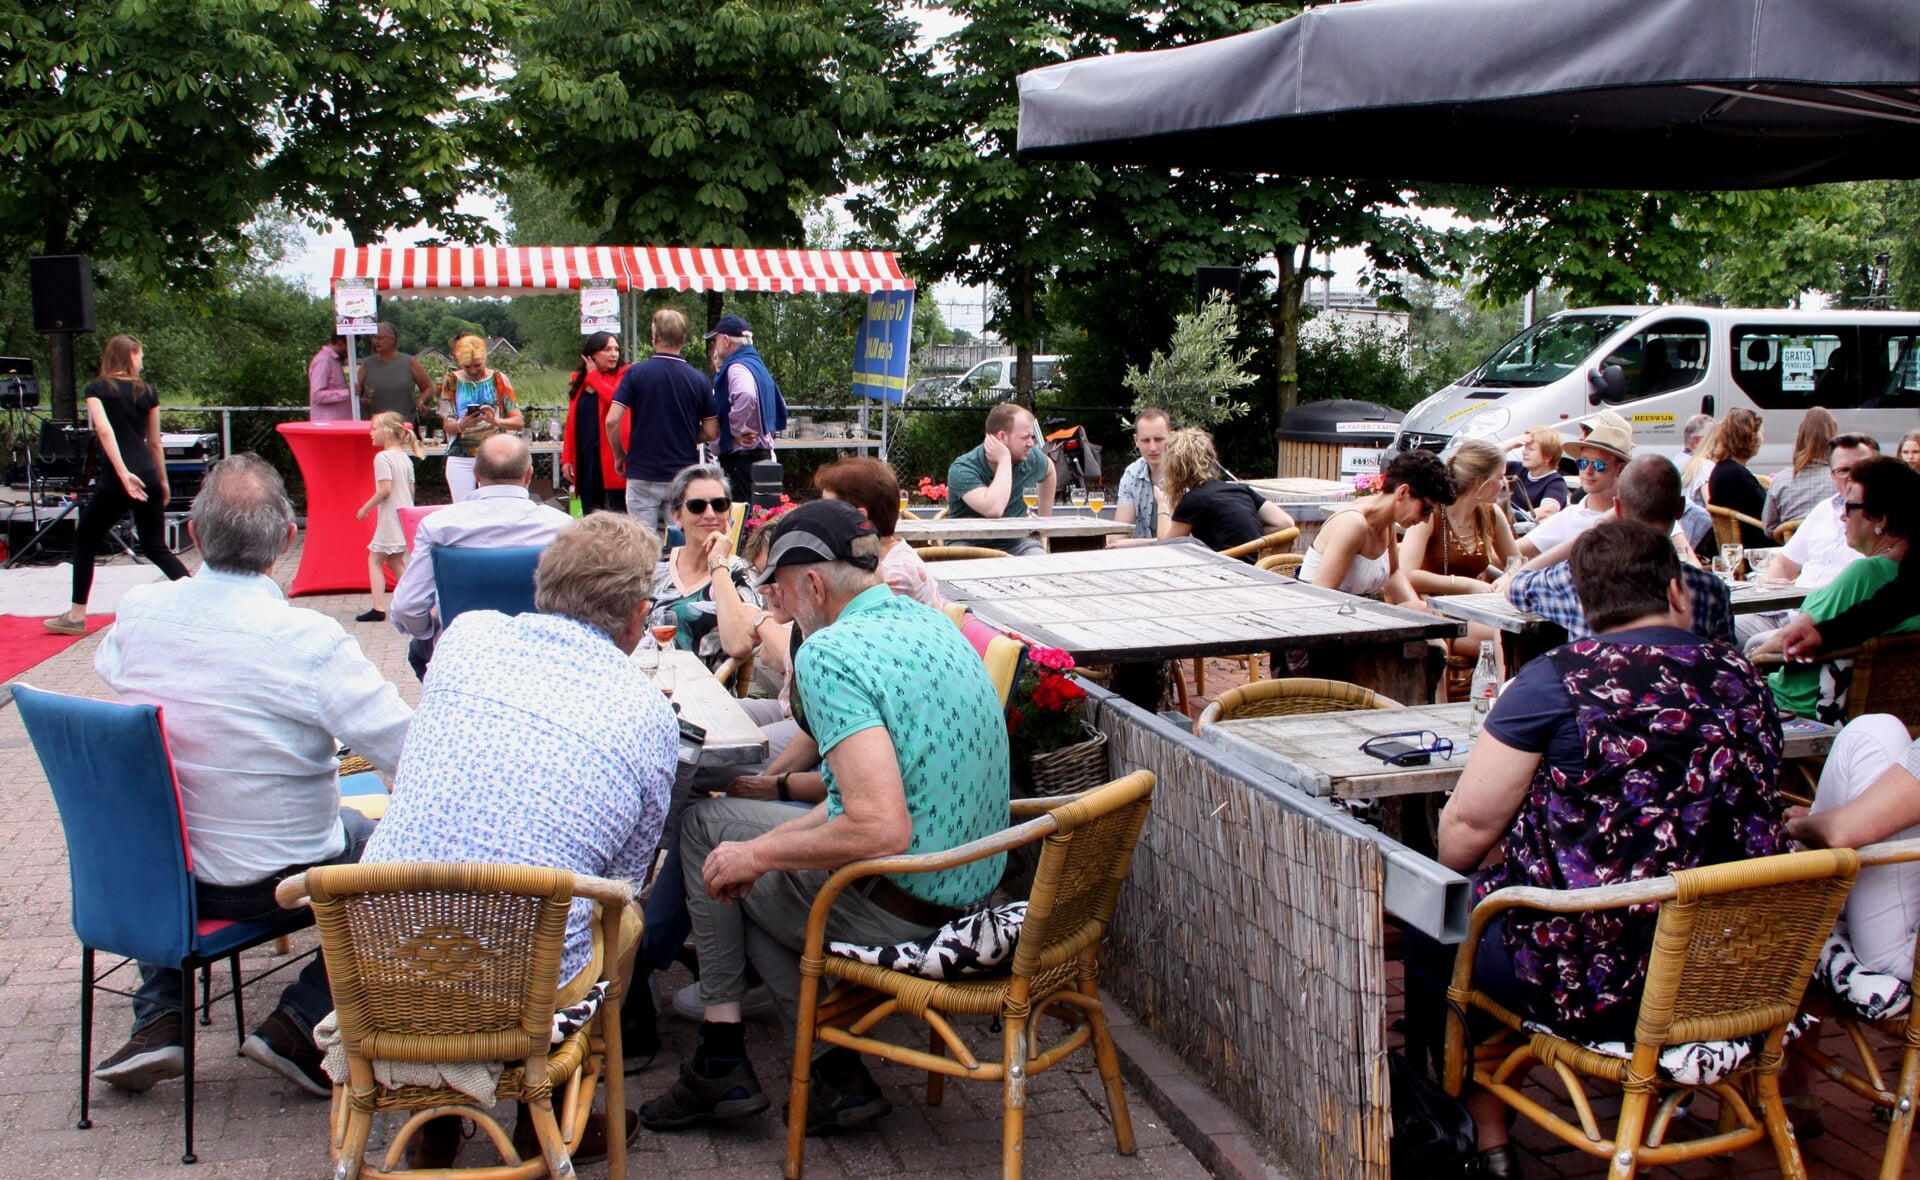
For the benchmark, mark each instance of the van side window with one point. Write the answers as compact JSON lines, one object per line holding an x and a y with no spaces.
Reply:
{"x":1792,"y":367}
{"x":1889,"y":368}
{"x":1669,"y":355}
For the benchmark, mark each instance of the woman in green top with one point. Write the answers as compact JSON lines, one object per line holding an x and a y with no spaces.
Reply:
{"x":479,"y":404}
{"x":1881,"y":516}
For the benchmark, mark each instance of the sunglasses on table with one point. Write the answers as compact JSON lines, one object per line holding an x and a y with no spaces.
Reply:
{"x":719,"y":504}
{"x":1599,"y":465}
{"x":1415,"y":747}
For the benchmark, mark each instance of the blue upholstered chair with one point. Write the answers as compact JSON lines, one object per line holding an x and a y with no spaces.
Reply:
{"x":132,"y":869}
{"x":484,"y":579}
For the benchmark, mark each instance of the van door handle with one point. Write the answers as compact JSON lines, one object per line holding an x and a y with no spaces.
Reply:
{"x":1706,"y":405}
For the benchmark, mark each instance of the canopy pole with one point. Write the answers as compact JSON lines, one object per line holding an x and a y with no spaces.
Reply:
{"x":353,"y":376}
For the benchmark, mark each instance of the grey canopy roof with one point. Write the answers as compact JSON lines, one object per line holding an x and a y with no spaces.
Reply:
{"x":1642,"y":94}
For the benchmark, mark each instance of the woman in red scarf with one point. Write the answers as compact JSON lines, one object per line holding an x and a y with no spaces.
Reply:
{"x":582,"y":464}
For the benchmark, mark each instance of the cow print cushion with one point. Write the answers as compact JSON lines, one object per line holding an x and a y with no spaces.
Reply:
{"x":1870,"y":994}
{"x":972,"y":945}
{"x":1697,"y":1063}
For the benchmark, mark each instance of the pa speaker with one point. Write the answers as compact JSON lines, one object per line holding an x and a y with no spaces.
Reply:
{"x":62,"y":293}
{"x":1208,"y":279}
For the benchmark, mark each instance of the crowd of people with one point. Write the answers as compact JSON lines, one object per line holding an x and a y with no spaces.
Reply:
{"x":884,"y":733}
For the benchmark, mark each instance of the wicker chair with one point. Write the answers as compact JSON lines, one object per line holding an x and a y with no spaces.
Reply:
{"x":958,"y":552}
{"x":1285,"y":698}
{"x":1264,"y":546}
{"x":1870,"y":1082}
{"x":1732,"y":953}
{"x":1282,"y":563}
{"x":1783,"y":532}
{"x":737,"y":675}
{"x":1089,"y":840}
{"x":1882,"y":675}
{"x":457,"y":963}
{"x":1727,"y":522}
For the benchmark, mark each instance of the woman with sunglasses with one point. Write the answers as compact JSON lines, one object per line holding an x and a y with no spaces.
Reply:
{"x":1355,"y":549}
{"x":702,"y":589}
{"x":1881,"y":516}
{"x":589,"y":393}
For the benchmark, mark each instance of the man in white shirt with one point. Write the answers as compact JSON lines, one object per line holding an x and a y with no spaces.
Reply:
{"x":256,"y":692}
{"x":500,"y":514}
{"x":1818,"y":549}
{"x":1602,"y":455}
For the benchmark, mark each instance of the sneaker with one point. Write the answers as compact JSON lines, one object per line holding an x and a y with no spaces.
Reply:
{"x":843,"y":1095}
{"x":152,"y":1054}
{"x":370,"y":616}
{"x":61,"y":625}
{"x":279,"y":1045}
{"x":687,"y":1004}
{"x":733,"y":1095}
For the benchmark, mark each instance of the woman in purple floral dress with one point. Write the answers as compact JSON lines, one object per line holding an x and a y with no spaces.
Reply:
{"x":1626,"y":756}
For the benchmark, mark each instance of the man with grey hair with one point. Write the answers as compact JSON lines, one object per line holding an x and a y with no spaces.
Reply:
{"x":915,"y":747}
{"x":746,"y":399}
{"x":258,"y":695}
{"x":393,"y":381}
{"x":500,"y":514}
{"x":530,"y":784}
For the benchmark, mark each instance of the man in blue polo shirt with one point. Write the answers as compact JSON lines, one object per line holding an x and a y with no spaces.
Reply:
{"x":672,"y":409}
{"x":915,"y":747}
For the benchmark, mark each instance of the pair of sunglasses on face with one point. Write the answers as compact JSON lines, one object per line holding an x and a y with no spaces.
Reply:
{"x":1599,"y":465}
{"x":719,"y":504}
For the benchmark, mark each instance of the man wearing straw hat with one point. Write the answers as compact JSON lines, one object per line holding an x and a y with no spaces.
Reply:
{"x":1602,"y":455}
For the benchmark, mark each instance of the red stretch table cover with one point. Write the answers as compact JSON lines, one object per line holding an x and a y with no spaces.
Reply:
{"x":336,"y":460}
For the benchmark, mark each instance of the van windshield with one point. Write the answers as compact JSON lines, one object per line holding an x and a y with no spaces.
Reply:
{"x":1546,"y":352}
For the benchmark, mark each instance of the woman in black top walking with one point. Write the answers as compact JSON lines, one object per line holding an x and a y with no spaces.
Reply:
{"x":125,"y":416}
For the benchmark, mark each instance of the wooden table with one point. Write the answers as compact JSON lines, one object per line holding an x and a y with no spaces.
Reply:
{"x":961,"y":530}
{"x":1320,"y":752}
{"x":1152,"y":603}
{"x":732,"y":737}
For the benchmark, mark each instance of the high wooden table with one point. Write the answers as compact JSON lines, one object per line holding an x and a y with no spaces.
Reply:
{"x":1528,"y":634}
{"x":732,"y":737}
{"x":961,"y":530}
{"x":1320,"y":752}
{"x":1152,"y":603}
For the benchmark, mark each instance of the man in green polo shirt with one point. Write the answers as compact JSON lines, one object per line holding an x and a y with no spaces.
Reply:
{"x":993,"y":479}
{"x":915,"y":745}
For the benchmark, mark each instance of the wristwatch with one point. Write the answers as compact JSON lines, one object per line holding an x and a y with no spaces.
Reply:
{"x":780,"y":786}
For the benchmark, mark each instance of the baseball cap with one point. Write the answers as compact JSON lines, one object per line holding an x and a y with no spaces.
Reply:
{"x":730,"y":325}
{"x":819,"y":530}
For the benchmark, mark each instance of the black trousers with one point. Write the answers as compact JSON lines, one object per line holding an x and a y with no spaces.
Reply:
{"x":105,"y":506}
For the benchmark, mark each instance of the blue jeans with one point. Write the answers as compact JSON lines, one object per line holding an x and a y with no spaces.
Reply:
{"x":307,"y":999}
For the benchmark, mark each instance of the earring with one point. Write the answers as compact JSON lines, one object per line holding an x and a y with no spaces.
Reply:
{"x":1876,"y":530}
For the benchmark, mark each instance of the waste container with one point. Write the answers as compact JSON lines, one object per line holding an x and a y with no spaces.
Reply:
{"x":1334,"y":440}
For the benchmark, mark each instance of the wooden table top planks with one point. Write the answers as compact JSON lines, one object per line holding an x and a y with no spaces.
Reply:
{"x":955,"y":530}
{"x":732,"y":737}
{"x":1171,"y":601}
{"x":1320,"y":752}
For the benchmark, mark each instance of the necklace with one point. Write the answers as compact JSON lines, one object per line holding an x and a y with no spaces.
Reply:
{"x":1449,"y":534}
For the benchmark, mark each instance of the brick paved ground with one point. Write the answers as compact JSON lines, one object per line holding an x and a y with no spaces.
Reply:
{"x":251,"y":1124}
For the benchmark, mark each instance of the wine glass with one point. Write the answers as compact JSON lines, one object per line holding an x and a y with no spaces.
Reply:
{"x":1031,"y":499}
{"x":663,"y":678}
{"x":1096,"y":500}
{"x":1077,"y":496}
{"x":663,"y":634}
{"x":1734,"y":554}
{"x":1721,"y":569}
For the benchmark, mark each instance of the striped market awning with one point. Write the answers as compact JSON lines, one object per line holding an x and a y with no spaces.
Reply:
{"x":529,"y":270}
{"x":480,"y":270}
{"x":680,"y":268}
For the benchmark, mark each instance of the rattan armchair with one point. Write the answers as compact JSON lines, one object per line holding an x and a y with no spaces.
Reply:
{"x":1089,"y":840}
{"x":958,"y":552}
{"x":736,"y":674}
{"x":1269,"y":544}
{"x":446,"y":963}
{"x":1882,"y":675}
{"x":1733,"y":950}
{"x":1727,"y":522}
{"x":1294,"y":695}
{"x":1870,"y":1082}
{"x":1283,"y":563}
{"x":1783,"y":532}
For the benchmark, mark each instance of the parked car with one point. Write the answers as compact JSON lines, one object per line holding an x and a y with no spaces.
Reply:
{"x":992,"y":379}
{"x":931,"y":389}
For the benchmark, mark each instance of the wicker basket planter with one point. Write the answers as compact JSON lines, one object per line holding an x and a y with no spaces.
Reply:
{"x":1078,"y":767}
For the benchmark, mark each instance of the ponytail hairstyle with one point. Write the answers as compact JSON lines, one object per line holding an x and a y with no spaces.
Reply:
{"x":393,"y":425}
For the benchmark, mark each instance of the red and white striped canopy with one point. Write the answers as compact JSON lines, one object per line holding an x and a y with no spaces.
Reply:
{"x":480,"y":270}
{"x":680,"y":268}
{"x":530,"y":270}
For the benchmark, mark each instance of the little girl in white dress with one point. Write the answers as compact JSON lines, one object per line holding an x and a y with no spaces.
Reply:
{"x":392,"y":491}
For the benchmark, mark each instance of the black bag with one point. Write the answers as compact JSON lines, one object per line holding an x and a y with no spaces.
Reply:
{"x":1433,"y":1136}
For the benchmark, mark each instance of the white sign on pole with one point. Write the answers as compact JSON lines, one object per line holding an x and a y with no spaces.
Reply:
{"x":599,"y":310}
{"x":355,"y":308}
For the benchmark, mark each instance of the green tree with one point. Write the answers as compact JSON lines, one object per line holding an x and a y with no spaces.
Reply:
{"x":1195,"y":379}
{"x":679,"y":123}
{"x":150,"y":133}
{"x":1830,"y":249}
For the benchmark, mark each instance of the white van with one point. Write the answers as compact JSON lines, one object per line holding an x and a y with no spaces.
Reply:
{"x":992,"y":380}
{"x":1660,"y":366}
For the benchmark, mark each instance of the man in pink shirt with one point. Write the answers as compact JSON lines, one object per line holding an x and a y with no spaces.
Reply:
{"x":746,"y":400}
{"x":329,"y":397}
